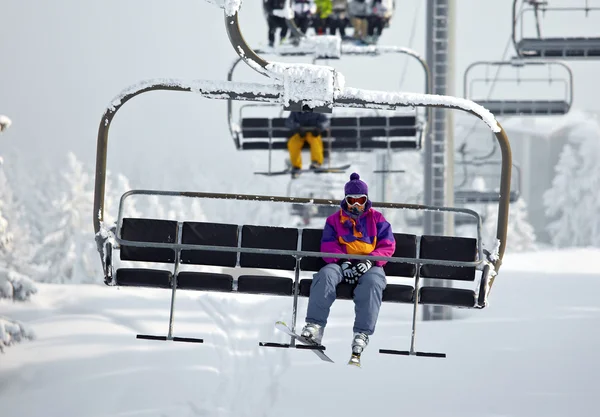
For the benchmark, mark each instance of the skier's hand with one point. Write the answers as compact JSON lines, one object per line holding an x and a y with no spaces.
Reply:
{"x":302,"y":131}
{"x":348,"y":272}
{"x":316,"y":131}
{"x":361,"y":267}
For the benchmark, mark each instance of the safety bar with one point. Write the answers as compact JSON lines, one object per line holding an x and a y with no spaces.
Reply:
{"x":517,"y":64}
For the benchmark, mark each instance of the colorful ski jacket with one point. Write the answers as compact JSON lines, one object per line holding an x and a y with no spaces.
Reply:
{"x":369,"y":234}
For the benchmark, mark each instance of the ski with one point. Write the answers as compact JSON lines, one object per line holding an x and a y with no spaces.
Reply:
{"x":323,"y":170}
{"x":281,"y":326}
{"x":355,"y":360}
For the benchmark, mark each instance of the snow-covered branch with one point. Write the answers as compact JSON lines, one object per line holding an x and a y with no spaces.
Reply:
{"x":15,"y":286}
{"x":5,"y":122}
{"x":12,"y":332}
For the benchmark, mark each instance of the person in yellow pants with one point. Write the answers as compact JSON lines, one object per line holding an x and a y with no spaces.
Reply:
{"x":306,"y":127}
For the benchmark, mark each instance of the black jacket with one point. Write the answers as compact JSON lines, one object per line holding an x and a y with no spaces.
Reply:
{"x":298,"y":119}
{"x":270,"y":5}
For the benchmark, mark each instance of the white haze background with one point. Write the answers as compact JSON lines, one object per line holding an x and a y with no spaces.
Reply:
{"x":63,"y":62}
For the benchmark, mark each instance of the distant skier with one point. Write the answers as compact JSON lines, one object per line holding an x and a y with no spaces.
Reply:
{"x":381,"y":13}
{"x":306,"y":127}
{"x":274,"y":13}
{"x":356,"y":229}
{"x":304,"y":13}
{"x":337,"y":18}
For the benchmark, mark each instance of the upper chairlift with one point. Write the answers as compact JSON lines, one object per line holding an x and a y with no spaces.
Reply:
{"x":325,"y":187}
{"x":524,"y":106}
{"x":474,"y":187}
{"x":568,"y":47}
{"x":297,"y":35}
{"x":287,"y":251}
{"x":477,"y":173}
{"x":347,"y":133}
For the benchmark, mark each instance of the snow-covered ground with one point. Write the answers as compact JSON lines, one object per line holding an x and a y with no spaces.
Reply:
{"x":533,"y":352}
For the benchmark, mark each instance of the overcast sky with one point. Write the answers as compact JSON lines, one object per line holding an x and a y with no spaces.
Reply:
{"x":63,"y":61}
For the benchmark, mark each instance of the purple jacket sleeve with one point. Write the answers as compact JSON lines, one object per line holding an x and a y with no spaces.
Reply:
{"x":330,"y":243}
{"x":386,"y":244}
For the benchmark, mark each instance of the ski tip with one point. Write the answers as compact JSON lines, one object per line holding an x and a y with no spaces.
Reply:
{"x":354,"y":361}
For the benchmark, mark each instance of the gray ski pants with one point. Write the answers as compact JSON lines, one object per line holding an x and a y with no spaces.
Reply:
{"x":367,"y":297}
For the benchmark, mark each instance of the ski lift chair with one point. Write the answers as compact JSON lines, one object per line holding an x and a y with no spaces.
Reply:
{"x":464,"y":194}
{"x":346,"y":133}
{"x":326,"y":187}
{"x":159,"y":247}
{"x":571,"y":47}
{"x":522,"y":106}
{"x":297,"y":35}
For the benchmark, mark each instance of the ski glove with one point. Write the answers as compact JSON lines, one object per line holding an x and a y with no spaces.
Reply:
{"x":316,"y":132}
{"x":361,"y":267}
{"x":348,"y":272}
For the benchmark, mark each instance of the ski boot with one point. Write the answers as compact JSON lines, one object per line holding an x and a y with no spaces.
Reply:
{"x":312,"y":332}
{"x":295,"y":172}
{"x":314,"y":166}
{"x":359,"y":343}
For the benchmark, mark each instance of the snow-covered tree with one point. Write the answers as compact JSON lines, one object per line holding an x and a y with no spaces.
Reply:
{"x":520,"y":235}
{"x":573,"y":201}
{"x":68,"y":251}
{"x":14,"y":284}
{"x":15,"y":265}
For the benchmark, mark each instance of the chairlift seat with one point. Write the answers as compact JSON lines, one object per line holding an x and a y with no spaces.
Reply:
{"x":484,"y":197}
{"x":525,"y":107}
{"x":565,"y":47}
{"x":345,"y":133}
{"x":280,"y":238}
{"x":320,"y":211}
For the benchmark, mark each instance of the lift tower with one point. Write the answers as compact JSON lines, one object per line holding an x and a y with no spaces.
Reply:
{"x":439,"y":146}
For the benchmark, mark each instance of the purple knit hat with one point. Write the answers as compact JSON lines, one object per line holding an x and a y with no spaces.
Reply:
{"x":356,"y":186}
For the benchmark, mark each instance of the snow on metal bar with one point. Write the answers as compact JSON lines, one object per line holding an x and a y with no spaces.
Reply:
{"x":231,"y":7}
{"x":324,"y":47}
{"x":386,"y":99}
{"x":208,"y":88}
{"x":351,"y":49}
{"x":313,"y":85}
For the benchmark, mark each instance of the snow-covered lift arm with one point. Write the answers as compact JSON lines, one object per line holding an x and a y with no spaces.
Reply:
{"x":319,"y":88}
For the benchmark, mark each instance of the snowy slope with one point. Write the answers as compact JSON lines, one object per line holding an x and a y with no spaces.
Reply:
{"x":531,"y":353}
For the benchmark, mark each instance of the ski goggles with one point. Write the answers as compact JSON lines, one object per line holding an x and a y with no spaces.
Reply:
{"x":356,"y":199}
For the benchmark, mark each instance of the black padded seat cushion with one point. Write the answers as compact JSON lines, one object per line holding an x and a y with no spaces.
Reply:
{"x":204,"y":281}
{"x":148,"y":230}
{"x":447,"y":248}
{"x":215,"y":234}
{"x":262,"y":284}
{"x":140,"y":277}
{"x":265,"y":237}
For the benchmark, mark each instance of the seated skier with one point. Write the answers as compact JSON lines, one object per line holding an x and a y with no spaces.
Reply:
{"x":273,"y":10}
{"x":356,"y":229}
{"x":306,"y":127}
